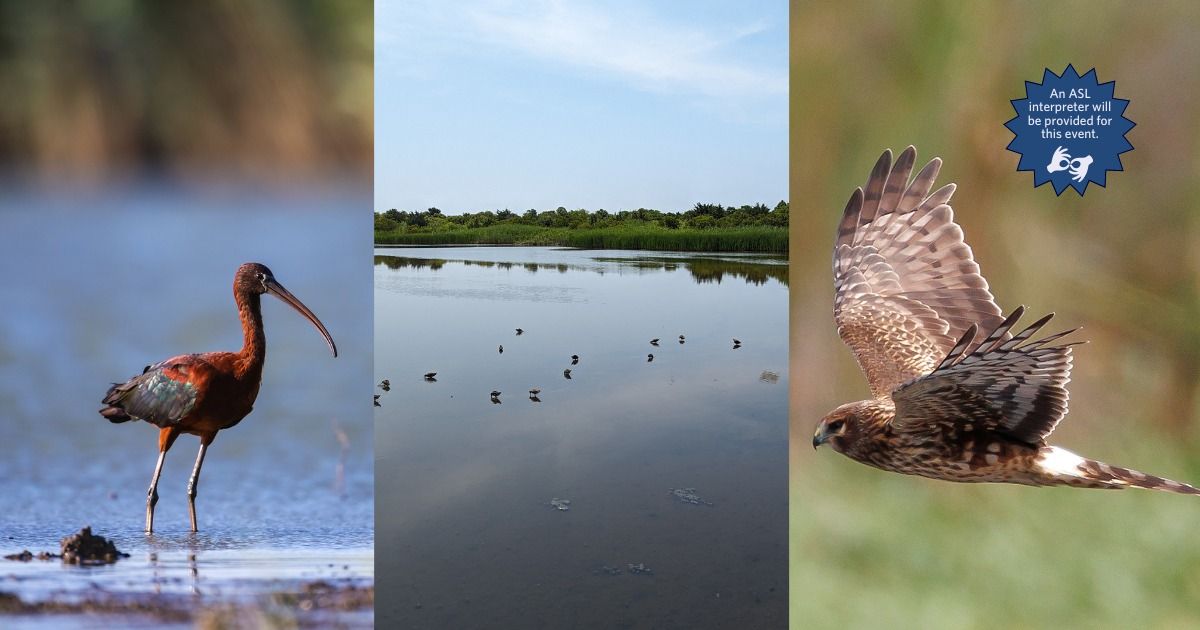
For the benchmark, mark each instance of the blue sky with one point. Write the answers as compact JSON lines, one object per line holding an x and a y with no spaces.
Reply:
{"x":486,"y":104}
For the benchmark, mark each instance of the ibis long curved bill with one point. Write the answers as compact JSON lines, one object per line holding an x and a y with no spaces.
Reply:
{"x":276,"y":289}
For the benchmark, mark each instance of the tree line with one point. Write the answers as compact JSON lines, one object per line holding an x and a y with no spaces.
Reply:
{"x":701,"y":216}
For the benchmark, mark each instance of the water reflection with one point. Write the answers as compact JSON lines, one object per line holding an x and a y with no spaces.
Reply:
{"x":702,"y":269}
{"x":466,"y":483}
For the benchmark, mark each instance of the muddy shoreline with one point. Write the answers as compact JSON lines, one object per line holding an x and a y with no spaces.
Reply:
{"x":311,"y":603}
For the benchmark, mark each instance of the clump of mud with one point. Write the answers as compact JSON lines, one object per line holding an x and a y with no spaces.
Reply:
{"x":27,"y":556}
{"x":88,"y":548}
{"x":84,"y":548}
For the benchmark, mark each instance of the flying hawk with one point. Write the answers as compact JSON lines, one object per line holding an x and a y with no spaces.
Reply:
{"x":958,"y":392}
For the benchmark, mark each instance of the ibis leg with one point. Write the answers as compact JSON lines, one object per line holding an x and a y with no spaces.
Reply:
{"x":152,"y":494}
{"x":194,"y":482}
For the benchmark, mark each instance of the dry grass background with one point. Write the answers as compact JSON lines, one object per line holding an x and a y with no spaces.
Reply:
{"x":265,"y":90}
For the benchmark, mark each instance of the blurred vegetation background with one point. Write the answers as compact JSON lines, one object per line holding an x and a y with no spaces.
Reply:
{"x":264,"y":90}
{"x":870,"y":549}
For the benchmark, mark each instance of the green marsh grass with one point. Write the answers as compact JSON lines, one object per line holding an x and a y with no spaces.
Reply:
{"x":759,"y":239}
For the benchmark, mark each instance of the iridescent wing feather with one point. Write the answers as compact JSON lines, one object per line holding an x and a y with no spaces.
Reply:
{"x":906,"y":285}
{"x":163,"y":394}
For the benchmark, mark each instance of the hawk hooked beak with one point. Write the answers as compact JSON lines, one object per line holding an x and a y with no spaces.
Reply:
{"x":820,"y":437}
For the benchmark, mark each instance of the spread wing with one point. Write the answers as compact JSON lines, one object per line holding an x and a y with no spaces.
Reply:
{"x":906,"y":285}
{"x":163,"y":394}
{"x":1006,"y":384}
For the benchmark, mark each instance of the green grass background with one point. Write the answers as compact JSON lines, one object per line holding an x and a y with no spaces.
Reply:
{"x":875,"y":550}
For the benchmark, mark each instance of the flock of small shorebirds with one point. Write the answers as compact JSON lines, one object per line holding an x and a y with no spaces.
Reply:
{"x":431,"y":377}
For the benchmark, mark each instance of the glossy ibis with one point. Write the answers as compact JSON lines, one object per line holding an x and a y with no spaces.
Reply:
{"x":385,"y":385}
{"x":431,"y":376}
{"x":495,"y":393}
{"x":202,"y":394}
{"x":574,"y":359}
{"x":501,"y":349}
{"x":520,"y":332}
{"x":654,"y":342}
{"x":377,"y":401}
{"x":649,"y":358}
{"x":681,"y":339}
{"x":534,"y":392}
{"x":567,"y":373}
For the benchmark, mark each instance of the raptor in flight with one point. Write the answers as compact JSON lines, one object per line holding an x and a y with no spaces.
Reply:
{"x":958,"y":392}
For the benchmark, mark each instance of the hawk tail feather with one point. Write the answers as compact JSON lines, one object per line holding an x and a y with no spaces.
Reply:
{"x":1062,"y":463}
{"x":1135,"y":478}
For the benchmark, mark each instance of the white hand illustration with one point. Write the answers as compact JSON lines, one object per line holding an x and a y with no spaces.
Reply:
{"x":1060,"y":161}
{"x":1079,"y":167}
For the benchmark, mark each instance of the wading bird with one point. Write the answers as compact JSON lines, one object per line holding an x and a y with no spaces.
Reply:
{"x":202,"y":394}
{"x":534,"y":392}
{"x":909,"y":302}
{"x":377,"y":401}
{"x":649,"y":358}
{"x":567,"y":373}
{"x":574,"y":359}
{"x":654,"y":342}
{"x":520,"y":332}
{"x":385,"y":385}
{"x":431,"y":376}
{"x":501,"y":349}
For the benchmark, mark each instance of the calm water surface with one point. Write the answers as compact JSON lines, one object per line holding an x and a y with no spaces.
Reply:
{"x":93,"y":295}
{"x":467,"y":537}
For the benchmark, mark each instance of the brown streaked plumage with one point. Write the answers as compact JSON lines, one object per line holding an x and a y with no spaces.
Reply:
{"x":202,"y":394}
{"x":911,"y":303}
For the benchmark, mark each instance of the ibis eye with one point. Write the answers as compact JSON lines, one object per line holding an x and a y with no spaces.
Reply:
{"x":836,"y":426}
{"x":262,"y":276}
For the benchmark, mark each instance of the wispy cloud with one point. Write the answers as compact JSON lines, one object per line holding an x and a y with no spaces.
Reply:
{"x":617,"y":42}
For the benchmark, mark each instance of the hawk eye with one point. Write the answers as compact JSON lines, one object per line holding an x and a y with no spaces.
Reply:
{"x":836,"y":426}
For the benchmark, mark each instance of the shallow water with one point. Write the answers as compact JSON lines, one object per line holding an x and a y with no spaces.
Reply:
{"x":465,"y":484}
{"x":94,"y":294}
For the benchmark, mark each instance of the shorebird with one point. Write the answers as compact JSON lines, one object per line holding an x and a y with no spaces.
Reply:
{"x":202,"y":394}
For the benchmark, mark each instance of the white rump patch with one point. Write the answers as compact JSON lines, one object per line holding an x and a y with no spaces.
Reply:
{"x":1060,"y":461}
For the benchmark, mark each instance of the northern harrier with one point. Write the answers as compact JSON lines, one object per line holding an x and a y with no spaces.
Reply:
{"x":911,"y":304}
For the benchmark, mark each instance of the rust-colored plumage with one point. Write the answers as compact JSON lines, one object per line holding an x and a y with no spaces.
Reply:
{"x":912,"y":306}
{"x":202,"y":394}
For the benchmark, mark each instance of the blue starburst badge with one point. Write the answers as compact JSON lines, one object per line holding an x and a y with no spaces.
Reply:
{"x":1070,"y":130}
